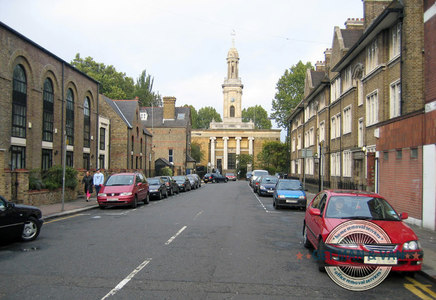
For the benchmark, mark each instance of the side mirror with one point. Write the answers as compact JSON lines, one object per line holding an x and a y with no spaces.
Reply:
{"x":404,"y":216}
{"x":314,"y":212}
{"x":10,"y":205}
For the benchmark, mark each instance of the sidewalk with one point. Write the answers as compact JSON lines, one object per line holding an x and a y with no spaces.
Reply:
{"x":426,"y":237}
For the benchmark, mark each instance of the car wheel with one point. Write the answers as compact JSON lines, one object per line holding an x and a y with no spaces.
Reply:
{"x":276,"y":206}
{"x":213,"y":181}
{"x":135,"y":202}
{"x":147,"y":199}
{"x":306,"y":242}
{"x":31,"y":229}
{"x":166,"y":194}
{"x":321,"y":256}
{"x":160,"y":195}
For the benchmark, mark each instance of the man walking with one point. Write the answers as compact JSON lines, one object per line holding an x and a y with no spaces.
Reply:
{"x":98,"y":181}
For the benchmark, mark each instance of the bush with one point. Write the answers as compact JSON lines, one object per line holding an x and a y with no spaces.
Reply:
{"x":52,"y":178}
{"x":166,"y":171}
{"x":35,"y":180}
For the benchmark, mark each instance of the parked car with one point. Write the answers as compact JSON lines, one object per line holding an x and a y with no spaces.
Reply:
{"x":193,"y":181}
{"x":289,"y":193}
{"x":214,"y":177}
{"x":231,"y":176}
{"x":207,"y":177}
{"x":172,"y":186}
{"x":19,"y":221}
{"x":378,"y":238}
{"x":157,"y":188}
{"x":255,"y":184}
{"x":248,"y":176}
{"x":183,"y":182}
{"x":255,"y":174}
{"x":267,"y":185}
{"x":197,"y":179}
{"x":122,"y":189}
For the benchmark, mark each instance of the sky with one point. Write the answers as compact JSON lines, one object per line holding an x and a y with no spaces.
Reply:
{"x":183,"y":44}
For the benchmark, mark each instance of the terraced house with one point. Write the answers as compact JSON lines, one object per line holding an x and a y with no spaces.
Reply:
{"x":367,"y":131}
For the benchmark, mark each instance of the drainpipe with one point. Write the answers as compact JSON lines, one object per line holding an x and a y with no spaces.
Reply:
{"x":97,"y":124}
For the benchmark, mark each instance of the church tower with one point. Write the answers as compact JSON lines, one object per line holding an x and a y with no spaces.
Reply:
{"x":232,"y":88}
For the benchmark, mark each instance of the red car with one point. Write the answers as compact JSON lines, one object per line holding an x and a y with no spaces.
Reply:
{"x":359,"y":231}
{"x":122,"y":189}
{"x":231,"y":176}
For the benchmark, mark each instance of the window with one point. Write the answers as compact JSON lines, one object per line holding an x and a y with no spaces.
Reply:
{"x":322,"y":131}
{"x":308,"y":168}
{"x":170,"y":155}
{"x":395,"y":44}
{"x":306,"y":139}
{"x":86,"y":123}
{"x":372,"y":56}
{"x":311,"y":137}
{"x":102,"y":138}
{"x":414,"y":153}
{"x":386,"y":155}
{"x":347,"y":80}
{"x":86,"y":161}
{"x":143,"y":115}
{"x":132,"y":144}
{"x":346,"y":165}
{"x":359,"y":92}
{"x":70,"y":118}
{"x":395,"y":101}
{"x":335,"y":161}
{"x":399,"y":154}
{"x":322,"y":101}
{"x":18,"y":157}
{"x":70,"y":159}
{"x":347,"y":119}
{"x":360,"y":133}
{"x":181,"y":116}
{"x":140,"y":150}
{"x":232,"y":111}
{"x":333,"y":128}
{"x":231,"y":161}
{"x":372,"y":109}
{"x":335,"y":90}
{"x":19,"y":102}
{"x":47,"y":115}
{"x":47,"y":159}
{"x":293,"y":167}
{"x":293,"y":143}
{"x":299,"y":142}
{"x":101,"y":161}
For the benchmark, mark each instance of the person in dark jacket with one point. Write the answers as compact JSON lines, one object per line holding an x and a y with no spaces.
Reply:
{"x":88,"y":183}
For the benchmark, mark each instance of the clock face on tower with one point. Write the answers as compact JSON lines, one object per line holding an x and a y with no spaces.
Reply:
{"x":232,"y":100}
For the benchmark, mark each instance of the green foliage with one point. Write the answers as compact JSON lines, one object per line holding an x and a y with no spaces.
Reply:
{"x":243,"y":161}
{"x":206,"y":115}
{"x":166,"y":171}
{"x":290,"y":91}
{"x":53,"y":177}
{"x":196,"y":152}
{"x":258,"y":115}
{"x":144,"y":91}
{"x":274,"y":157}
{"x":194,"y":116}
{"x":35,"y":180}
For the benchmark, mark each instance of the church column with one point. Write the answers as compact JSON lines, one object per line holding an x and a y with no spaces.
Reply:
{"x":250,"y":145}
{"x":212,"y":152}
{"x":238,"y":149}
{"x":225,"y":139}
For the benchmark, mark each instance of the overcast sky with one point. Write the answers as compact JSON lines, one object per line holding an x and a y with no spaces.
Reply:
{"x":183,"y":44}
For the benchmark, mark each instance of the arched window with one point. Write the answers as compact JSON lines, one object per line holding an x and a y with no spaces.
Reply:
{"x":69,"y":126}
{"x":232,"y":111}
{"x":19,"y":102}
{"x":47,"y":115}
{"x":86,"y":123}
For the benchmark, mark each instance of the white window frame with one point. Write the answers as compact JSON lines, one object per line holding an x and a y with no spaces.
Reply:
{"x":395,"y":41}
{"x":395,"y":99}
{"x":335,"y":164}
{"x":346,"y":164}
{"x":308,"y":165}
{"x":372,"y":108}
{"x":335,"y":90}
{"x":333,"y":127}
{"x":293,"y":167}
{"x":360,"y":133}
{"x":293,"y":143}
{"x":338,"y":125}
{"x":311,"y":137}
{"x":299,"y":142}
{"x":306,"y":139}
{"x":372,"y":56}
{"x":348,"y":81}
{"x":359,"y":92}
{"x":347,"y":119}
{"x":322,"y":131}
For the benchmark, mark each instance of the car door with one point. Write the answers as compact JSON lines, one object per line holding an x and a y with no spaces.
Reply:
{"x":312,"y":222}
{"x":140,"y":187}
{"x":10,"y":222}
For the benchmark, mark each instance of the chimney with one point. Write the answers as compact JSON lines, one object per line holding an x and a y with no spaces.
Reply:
{"x":169,"y":108}
{"x":354,"y":23}
{"x":320,"y":66}
{"x":372,"y":9}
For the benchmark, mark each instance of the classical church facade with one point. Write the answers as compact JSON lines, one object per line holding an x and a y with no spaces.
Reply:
{"x":224,"y":141}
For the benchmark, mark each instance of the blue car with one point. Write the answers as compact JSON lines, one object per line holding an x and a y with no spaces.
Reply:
{"x":289,"y":193}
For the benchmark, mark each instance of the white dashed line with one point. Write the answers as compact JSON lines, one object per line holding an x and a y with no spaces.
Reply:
{"x":174,"y":236}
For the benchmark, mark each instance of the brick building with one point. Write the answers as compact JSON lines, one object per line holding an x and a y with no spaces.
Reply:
{"x":375,"y":107}
{"x":171,"y":130}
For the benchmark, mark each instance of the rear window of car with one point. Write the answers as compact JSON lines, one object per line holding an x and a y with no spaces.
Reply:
{"x":269,"y":179}
{"x":260,"y":173}
{"x":153,"y":181}
{"x":118,"y":180}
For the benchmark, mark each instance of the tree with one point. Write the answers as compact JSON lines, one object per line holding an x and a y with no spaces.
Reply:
{"x":113,"y":84}
{"x":243,"y":160}
{"x":290,"y":91}
{"x":196,"y":152}
{"x":194,"y":116}
{"x":258,"y":115}
{"x":273,"y":157}
{"x":144,"y":91}
{"x":206,"y":115}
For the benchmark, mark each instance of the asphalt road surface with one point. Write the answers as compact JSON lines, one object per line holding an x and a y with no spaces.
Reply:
{"x":217,"y":242}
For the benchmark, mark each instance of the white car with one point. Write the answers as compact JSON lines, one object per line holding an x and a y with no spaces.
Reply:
{"x":256,"y":174}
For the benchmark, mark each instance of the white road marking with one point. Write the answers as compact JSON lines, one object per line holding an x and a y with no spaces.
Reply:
{"x":199,"y":213}
{"x":127,"y":279}
{"x":174,"y":236}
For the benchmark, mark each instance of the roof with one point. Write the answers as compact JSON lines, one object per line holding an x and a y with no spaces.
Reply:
{"x":155,"y":117}
{"x":164,"y":161}
{"x":351,"y":36}
{"x":317,"y":77}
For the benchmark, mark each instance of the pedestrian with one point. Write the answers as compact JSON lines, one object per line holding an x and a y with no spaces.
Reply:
{"x":98,"y":181}
{"x":88,"y":182}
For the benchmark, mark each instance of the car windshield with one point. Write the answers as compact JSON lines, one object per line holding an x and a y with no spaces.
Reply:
{"x":272,"y":180}
{"x":119,"y":180}
{"x":230,"y":174}
{"x":179,"y":178}
{"x":289,"y":185}
{"x":153,"y":181}
{"x":360,"y":208}
{"x":260,"y":173}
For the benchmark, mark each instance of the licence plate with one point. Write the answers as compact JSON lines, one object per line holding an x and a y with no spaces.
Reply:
{"x":291,"y":201}
{"x":112,"y":199}
{"x":377,"y":260}
{"x":270,"y":191}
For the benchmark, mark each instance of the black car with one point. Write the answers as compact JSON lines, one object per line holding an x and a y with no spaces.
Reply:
{"x":19,"y":221}
{"x":172,"y":186}
{"x":267,"y":185}
{"x":183,"y":182}
{"x":216,"y":177}
{"x":157,"y":188}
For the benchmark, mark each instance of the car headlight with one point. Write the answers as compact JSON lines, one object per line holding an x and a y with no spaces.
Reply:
{"x":102,"y":194}
{"x":302,"y":197}
{"x":281,"y":196}
{"x":126,"y":194}
{"x":262,"y":187}
{"x":153,"y":191}
{"x":412,"y":245}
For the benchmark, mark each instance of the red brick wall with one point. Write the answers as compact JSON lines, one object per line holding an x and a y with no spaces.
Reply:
{"x":401,"y":134}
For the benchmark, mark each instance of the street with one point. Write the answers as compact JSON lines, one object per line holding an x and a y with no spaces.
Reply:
{"x":217,"y":242}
